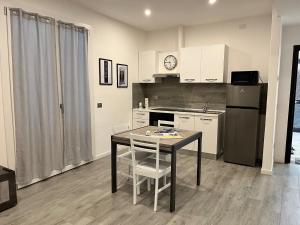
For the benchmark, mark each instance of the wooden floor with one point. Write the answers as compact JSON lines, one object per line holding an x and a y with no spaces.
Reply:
{"x":229,"y":195}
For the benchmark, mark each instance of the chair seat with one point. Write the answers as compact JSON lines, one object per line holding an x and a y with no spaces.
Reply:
{"x":147,"y":168}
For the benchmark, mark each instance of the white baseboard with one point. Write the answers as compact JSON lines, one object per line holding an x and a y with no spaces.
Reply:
{"x":67,"y":168}
{"x":36,"y":180}
{"x":70,"y":167}
{"x":266,"y":172}
{"x":102,"y":155}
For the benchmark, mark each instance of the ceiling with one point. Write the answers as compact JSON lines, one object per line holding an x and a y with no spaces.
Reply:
{"x":289,"y":10}
{"x":170,"y":13}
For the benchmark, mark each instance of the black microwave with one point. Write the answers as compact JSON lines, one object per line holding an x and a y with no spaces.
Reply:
{"x":244,"y":77}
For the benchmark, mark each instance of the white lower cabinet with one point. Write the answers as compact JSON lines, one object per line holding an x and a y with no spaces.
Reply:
{"x":140,"y":119}
{"x":138,"y":123}
{"x":185,"y":122}
{"x":210,"y":126}
{"x":211,"y":140}
{"x":140,"y":115}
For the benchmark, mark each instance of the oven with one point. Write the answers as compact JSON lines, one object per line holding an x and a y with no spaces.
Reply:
{"x":156,"y":116}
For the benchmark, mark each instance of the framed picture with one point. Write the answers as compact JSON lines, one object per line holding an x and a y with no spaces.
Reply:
{"x":105,"y":72}
{"x":122,"y":76}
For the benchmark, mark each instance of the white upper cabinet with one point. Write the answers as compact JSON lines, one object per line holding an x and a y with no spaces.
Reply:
{"x":203,"y":64}
{"x":190,"y":67}
{"x":147,"y":66}
{"x":213,"y":64}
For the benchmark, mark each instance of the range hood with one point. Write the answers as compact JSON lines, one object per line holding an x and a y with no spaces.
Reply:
{"x":165,"y":75}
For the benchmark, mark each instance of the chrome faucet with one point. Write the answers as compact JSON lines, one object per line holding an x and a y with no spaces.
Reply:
{"x":205,"y":107}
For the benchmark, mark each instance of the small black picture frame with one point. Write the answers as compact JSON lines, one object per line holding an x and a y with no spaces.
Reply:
{"x":105,"y":71}
{"x":122,"y":75}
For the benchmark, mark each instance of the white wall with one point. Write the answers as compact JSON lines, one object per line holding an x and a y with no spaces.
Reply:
{"x":161,"y":40}
{"x":3,"y":155}
{"x":108,"y":39}
{"x":248,"y":39}
{"x":290,"y":37}
{"x":273,"y":79}
{"x":6,"y":105}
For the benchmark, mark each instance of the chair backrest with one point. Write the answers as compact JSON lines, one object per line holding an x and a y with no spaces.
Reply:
{"x":165,"y":123}
{"x":142,"y":143}
{"x":120,"y":128}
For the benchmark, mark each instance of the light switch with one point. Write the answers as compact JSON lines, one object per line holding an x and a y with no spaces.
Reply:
{"x":99,"y":105}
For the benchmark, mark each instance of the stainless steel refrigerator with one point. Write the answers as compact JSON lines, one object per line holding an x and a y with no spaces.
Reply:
{"x":242,"y":124}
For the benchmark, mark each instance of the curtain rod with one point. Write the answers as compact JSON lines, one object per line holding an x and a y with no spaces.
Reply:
{"x":71,"y":25}
{"x":21,"y":11}
{"x":50,"y":19}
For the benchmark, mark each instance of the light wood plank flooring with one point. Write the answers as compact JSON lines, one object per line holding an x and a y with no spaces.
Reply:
{"x":229,"y":195}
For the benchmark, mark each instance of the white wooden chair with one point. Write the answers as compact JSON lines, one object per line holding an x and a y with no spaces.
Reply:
{"x":151,"y":168}
{"x":164,"y":123}
{"x":125,"y":157}
{"x":164,"y":156}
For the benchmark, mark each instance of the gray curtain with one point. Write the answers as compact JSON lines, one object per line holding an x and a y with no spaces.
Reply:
{"x":73,"y":42}
{"x":39,"y":146}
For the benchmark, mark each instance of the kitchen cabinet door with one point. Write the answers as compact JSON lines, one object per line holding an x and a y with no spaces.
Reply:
{"x":190,"y":63}
{"x":140,"y":114}
{"x":213,"y":64}
{"x":147,"y":66}
{"x":185,"y":122}
{"x":138,"y":123}
{"x":209,"y":128}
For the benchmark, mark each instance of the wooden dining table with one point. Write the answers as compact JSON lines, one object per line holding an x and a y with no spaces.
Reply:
{"x":170,"y":146}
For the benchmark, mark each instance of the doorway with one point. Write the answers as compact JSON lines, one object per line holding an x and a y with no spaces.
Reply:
{"x":51,"y":103}
{"x":292,"y":153}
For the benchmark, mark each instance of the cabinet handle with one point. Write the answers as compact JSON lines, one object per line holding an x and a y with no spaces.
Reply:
{"x":184,"y":117}
{"x":189,"y":80}
{"x":140,"y":121}
{"x":141,"y":114}
{"x":206,"y":119}
{"x":211,"y":79}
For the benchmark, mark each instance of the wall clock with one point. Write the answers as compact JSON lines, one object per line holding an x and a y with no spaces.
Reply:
{"x":170,"y":62}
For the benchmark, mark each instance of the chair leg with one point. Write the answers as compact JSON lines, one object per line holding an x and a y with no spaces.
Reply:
{"x":138,"y":186}
{"x":156,"y":194}
{"x":165,"y":180}
{"x":129,"y":172}
{"x":134,"y":189}
{"x":149,"y":184}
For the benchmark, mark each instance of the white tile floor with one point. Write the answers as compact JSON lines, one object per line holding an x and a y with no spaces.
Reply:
{"x":296,"y":146}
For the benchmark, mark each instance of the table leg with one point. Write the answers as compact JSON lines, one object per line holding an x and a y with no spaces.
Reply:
{"x":113,"y":167}
{"x":199,"y":160}
{"x":173,"y":181}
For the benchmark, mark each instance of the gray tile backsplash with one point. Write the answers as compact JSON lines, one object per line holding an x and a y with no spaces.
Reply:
{"x":170,"y":93}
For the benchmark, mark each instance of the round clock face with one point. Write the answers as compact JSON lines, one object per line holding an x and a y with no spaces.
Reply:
{"x":170,"y":62}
